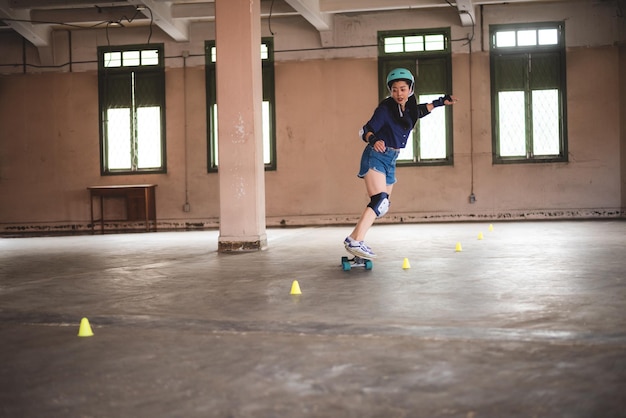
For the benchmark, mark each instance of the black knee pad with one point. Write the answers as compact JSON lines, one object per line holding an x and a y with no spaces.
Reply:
{"x":379,"y":204}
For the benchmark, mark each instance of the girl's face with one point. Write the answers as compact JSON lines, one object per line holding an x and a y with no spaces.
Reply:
{"x":400,"y":91}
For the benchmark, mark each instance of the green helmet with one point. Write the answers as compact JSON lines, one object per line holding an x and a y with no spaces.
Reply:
{"x":400,"y":74}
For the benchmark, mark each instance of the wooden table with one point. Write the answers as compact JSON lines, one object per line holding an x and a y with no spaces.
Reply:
{"x":140,"y":201}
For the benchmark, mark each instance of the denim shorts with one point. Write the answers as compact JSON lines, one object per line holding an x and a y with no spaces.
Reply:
{"x":383,"y":162}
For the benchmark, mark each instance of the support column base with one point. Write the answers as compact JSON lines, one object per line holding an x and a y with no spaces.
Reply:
{"x":241,"y":246}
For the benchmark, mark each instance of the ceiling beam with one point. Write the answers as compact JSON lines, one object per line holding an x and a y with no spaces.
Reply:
{"x":121,"y":14}
{"x":161,"y":13}
{"x":40,"y":4}
{"x":466,"y":12}
{"x":310,"y":10}
{"x":19,"y":21}
{"x":205,"y":10}
{"x":348,"y":6}
{"x":352,"y":6}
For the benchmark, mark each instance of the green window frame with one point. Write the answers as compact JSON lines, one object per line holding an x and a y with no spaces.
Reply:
{"x":131,"y":96}
{"x":427,"y":54}
{"x":268,"y":107}
{"x":528,"y":93}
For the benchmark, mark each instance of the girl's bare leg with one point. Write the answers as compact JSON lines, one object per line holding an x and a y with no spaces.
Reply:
{"x":375,"y":182}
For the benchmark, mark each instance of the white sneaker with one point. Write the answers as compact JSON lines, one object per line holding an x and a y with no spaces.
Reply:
{"x":358,"y":248}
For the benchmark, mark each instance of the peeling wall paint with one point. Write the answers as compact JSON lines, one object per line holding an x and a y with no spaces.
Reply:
{"x":322,"y":220}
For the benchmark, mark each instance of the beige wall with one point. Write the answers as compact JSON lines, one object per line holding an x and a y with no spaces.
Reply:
{"x":49,"y":142}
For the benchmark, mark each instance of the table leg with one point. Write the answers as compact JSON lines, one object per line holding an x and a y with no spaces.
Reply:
{"x":91,"y":207}
{"x":102,"y":214}
{"x":146,"y":200}
{"x":153,"y":204}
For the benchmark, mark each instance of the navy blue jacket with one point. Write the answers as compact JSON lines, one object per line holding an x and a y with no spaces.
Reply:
{"x":392,"y":125}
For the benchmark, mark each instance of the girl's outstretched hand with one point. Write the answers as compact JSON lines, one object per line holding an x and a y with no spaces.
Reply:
{"x":453,"y":100}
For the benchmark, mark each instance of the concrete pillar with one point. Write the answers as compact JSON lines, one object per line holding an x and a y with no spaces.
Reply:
{"x":239,"y":96}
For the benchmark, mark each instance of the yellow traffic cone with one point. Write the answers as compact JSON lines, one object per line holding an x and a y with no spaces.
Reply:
{"x":480,"y":235}
{"x":458,"y":248}
{"x":85,"y":328}
{"x":406,"y":264}
{"x":490,"y":228}
{"x":295,"y":288}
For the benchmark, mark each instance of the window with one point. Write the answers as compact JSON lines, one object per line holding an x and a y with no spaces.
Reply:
{"x":528,"y":93}
{"x":132,"y":109}
{"x":267,"y":106}
{"x":427,"y":55}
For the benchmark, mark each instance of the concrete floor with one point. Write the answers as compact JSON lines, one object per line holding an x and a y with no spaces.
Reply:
{"x":528,"y":322}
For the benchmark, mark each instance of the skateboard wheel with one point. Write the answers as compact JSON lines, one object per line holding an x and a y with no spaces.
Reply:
{"x":345,"y":263}
{"x":368,"y":264}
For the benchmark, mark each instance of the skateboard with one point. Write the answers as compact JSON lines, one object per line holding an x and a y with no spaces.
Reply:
{"x":356,"y":261}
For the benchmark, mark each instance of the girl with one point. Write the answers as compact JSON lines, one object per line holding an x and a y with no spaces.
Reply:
{"x":386,"y":133}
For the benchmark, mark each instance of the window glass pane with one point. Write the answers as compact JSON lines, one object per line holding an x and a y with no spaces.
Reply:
{"x":112,"y":59}
{"x":545,"y":122}
{"x":148,"y":137}
{"x":432,"y":131}
{"x":548,"y":37}
{"x":130,"y":58}
{"x":264,"y":53}
{"x":413,"y":43}
{"x":394,"y":44}
{"x":215,"y":152}
{"x":528,"y":118}
{"x":434,"y":42}
{"x":150,"y":57}
{"x":118,"y":135}
{"x":527,"y":37}
{"x":512,"y":127}
{"x":505,"y":38}
{"x":265,"y":114}
{"x":131,"y":103}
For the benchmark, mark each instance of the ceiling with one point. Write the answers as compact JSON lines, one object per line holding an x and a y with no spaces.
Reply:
{"x":35,"y":19}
